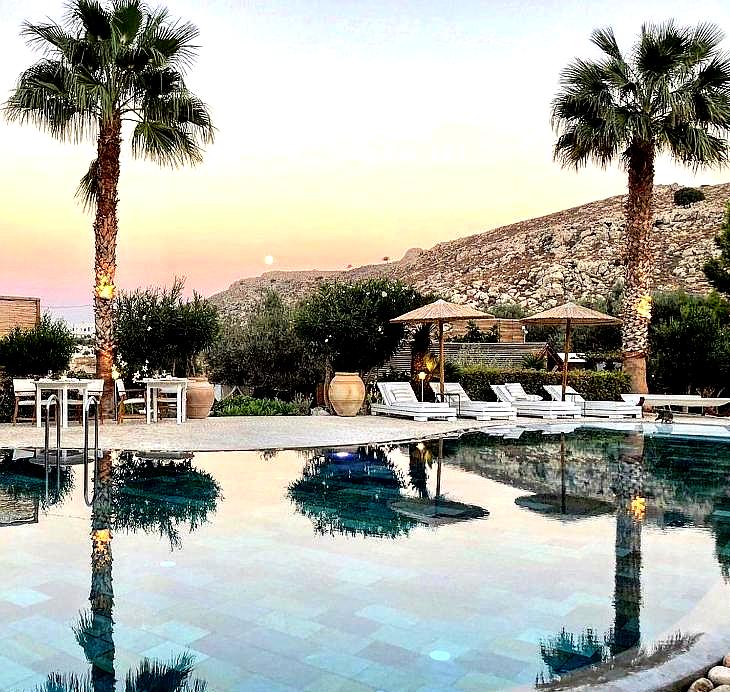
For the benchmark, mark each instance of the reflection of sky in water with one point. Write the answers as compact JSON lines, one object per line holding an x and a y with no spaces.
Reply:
{"x":257,"y":594}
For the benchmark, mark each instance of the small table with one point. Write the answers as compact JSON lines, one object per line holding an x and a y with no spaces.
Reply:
{"x":154,"y":385}
{"x":61,"y":387}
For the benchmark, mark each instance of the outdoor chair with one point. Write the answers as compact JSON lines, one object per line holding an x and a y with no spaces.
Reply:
{"x":95,"y":389}
{"x":25,"y":398}
{"x":167,"y":398}
{"x":535,"y":408}
{"x":466,"y":407}
{"x":400,"y":400}
{"x":599,"y":409}
{"x":125,"y":400}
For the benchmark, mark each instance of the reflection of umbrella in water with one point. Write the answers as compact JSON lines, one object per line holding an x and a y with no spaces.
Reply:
{"x":563,"y":505}
{"x":569,"y":315}
{"x":440,"y":312}
{"x":439,"y":509}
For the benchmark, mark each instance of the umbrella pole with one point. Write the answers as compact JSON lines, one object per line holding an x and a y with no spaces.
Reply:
{"x":565,"y":356}
{"x":441,"y":357}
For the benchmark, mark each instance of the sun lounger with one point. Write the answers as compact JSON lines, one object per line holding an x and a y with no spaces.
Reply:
{"x":510,"y":394}
{"x":681,"y":400}
{"x":467,"y":408}
{"x":599,"y":409}
{"x":399,"y":400}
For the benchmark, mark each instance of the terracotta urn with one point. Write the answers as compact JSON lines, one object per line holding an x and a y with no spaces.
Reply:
{"x":346,"y":393}
{"x":200,"y":397}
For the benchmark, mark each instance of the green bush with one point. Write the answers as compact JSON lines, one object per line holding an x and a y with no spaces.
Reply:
{"x":33,"y":352}
{"x":688,"y":195}
{"x":157,"y":330}
{"x":593,"y":385}
{"x":474,"y":335}
{"x":349,"y":323}
{"x":242,"y":405}
{"x":265,"y":353}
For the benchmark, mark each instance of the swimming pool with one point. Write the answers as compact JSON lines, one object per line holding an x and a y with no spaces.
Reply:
{"x":486,"y":562}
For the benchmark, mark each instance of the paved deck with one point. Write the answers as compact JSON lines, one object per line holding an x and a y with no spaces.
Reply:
{"x":241,"y":433}
{"x":297,"y":432}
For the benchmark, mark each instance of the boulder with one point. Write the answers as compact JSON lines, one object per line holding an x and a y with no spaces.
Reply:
{"x":720,"y":675}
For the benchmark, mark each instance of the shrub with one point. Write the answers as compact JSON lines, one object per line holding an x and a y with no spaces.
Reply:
{"x":595,"y":386}
{"x":533,"y":361}
{"x":32,"y":352}
{"x":689,"y":343}
{"x":155,"y":329}
{"x":349,"y":323}
{"x":242,"y":405}
{"x":688,"y":195}
{"x":265,"y":352}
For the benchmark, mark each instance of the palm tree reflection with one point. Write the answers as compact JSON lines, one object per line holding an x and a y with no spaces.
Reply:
{"x":568,"y":652}
{"x":121,"y":501}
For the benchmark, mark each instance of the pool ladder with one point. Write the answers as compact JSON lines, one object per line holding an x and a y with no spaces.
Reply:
{"x":91,"y":401}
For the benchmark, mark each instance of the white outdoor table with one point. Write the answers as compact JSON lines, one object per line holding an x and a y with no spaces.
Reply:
{"x":61,"y":387}
{"x":154,"y":384}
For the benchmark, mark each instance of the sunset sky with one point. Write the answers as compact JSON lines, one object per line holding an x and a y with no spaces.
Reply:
{"x":347,"y":131}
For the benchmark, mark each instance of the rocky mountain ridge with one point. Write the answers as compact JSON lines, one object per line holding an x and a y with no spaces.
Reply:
{"x":574,"y":254}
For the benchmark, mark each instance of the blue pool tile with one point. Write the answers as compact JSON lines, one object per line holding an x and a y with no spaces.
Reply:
{"x":170,"y":650}
{"x":23,"y":597}
{"x":12,"y":672}
{"x":258,"y":683}
{"x":388,"y":616}
{"x":339,"y":663}
{"x":179,"y":632}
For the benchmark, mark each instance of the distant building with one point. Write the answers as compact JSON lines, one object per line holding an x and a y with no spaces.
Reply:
{"x":18,"y":312}
{"x":82,"y":329}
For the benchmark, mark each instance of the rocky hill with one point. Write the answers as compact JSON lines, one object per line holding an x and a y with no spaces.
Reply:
{"x":570,"y":255}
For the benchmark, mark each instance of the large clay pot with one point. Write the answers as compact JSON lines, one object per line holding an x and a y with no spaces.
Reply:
{"x":346,"y":392}
{"x":200,"y":397}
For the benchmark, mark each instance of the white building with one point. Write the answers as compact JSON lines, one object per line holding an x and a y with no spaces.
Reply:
{"x":82,"y":329}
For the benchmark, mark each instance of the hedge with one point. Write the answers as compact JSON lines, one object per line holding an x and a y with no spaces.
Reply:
{"x":594,"y":385}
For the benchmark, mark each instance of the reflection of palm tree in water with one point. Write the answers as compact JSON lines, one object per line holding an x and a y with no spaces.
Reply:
{"x":629,"y":516}
{"x":568,"y":652}
{"x":95,"y":629}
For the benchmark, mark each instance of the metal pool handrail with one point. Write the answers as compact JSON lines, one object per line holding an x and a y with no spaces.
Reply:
{"x":89,"y":402}
{"x":52,"y":400}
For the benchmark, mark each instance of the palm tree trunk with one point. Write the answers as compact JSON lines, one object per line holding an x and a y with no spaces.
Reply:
{"x":638,"y":257}
{"x":105,"y":257}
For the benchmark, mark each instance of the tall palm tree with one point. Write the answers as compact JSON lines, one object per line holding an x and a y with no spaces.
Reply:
{"x":107,"y":64}
{"x":670,"y":94}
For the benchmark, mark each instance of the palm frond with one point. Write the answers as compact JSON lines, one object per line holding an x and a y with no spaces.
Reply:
{"x":171,"y":44}
{"x":165,"y":144}
{"x":171,"y":677}
{"x":88,"y":190}
{"x":605,"y":39}
{"x":126,"y":20}
{"x":180,"y":107}
{"x":59,"y":682}
{"x":694,"y":146}
{"x":44,"y":96}
{"x":91,"y":17}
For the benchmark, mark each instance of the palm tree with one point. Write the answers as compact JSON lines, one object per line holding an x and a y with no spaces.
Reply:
{"x":105,"y":65}
{"x":671,"y":94}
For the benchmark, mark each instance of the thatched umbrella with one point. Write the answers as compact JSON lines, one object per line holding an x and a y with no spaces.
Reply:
{"x":570,"y":315}
{"x":440,"y":312}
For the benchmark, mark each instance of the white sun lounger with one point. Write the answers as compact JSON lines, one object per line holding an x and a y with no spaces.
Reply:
{"x":681,"y":400}
{"x":599,"y":409}
{"x":531,"y":407}
{"x":399,"y":400}
{"x":467,"y":408}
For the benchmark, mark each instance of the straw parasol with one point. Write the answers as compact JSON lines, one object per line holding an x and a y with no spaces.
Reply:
{"x":440,"y":312}
{"x":570,"y":315}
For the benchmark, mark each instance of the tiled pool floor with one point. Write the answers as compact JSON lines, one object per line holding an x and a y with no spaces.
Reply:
{"x":311,"y":571}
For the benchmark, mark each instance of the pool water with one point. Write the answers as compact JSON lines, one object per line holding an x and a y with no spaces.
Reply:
{"x":487,"y":562}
